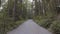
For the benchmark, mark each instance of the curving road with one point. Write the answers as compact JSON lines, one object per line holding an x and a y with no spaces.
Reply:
{"x":29,"y":27}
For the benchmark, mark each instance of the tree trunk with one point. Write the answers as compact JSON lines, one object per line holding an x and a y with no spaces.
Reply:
{"x":10,"y":8}
{"x":0,"y":2}
{"x":15,"y":10}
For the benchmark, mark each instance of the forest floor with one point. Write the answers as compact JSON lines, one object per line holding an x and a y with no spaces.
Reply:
{"x":29,"y":27}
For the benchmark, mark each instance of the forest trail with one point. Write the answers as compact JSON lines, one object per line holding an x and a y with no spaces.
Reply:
{"x":29,"y":27}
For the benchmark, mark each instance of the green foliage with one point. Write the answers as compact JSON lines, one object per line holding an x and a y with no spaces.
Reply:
{"x":43,"y":21}
{"x":22,"y":9}
{"x":49,"y":23}
{"x":8,"y":24}
{"x":55,"y":27}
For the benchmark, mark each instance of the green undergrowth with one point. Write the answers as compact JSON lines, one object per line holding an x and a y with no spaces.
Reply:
{"x":43,"y":21}
{"x":7,"y":24}
{"x":51,"y":24}
{"x":55,"y":27}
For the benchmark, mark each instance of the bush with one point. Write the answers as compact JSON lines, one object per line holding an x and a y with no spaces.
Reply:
{"x":43,"y":21}
{"x":55,"y":27}
{"x":8,"y":24}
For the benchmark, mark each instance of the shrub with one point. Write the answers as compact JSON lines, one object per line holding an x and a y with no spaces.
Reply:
{"x":8,"y":25}
{"x":55,"y":27}
{"x":44,"y":22}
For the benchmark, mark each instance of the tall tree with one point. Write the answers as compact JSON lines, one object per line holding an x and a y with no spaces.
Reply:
{"x":10,"y":8}
{"x":20,"y":12}
{"x":0,"y":2}
{"x":36,"y":7}
{"x":49,"y":6}
{"x":14,"y":10}
{"x":40,"y":8}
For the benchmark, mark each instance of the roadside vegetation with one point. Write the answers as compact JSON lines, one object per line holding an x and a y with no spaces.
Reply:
{"x":46,"y":13}
{"x":50,"y":18}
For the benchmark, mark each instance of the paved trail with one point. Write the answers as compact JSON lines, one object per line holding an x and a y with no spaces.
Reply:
{"x":29,"y":27}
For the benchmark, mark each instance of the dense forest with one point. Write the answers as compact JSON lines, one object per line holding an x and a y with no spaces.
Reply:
{"x":46,"y":13}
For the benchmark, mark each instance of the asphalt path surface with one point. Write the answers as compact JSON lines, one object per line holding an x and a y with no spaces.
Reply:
{"x":29,"y":27}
